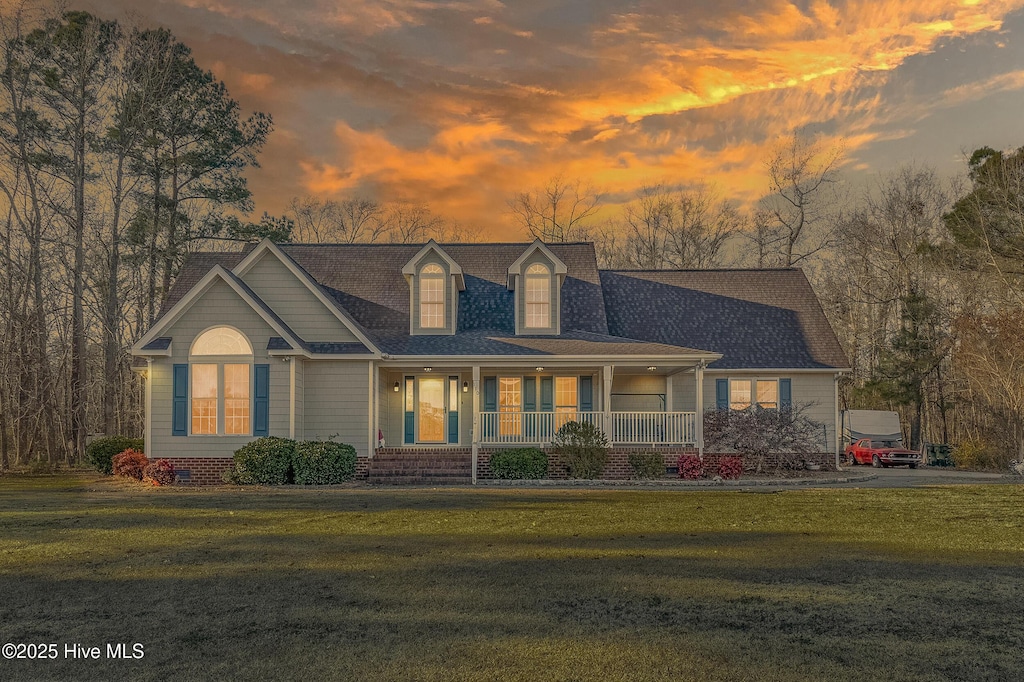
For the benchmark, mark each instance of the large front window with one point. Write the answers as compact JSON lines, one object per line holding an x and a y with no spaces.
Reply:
{"x":538,"y":297}
{"x":510,"y":404}
{"x":565,"y":400}
{"x":746,"y":392}
{"x":432,"y":297}
{"x":221,"y":383}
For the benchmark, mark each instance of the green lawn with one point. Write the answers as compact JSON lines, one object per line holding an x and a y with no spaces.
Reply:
{"x":920,"y":584}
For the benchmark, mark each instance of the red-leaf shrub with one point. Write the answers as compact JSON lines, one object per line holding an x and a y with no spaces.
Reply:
{"x":130,"y":464}
{"x":691,"y":467}
{"x":730,"y":467}
{"x":160,"y":472}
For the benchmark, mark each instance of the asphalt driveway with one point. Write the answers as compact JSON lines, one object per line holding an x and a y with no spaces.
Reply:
{"x":902,"y":477}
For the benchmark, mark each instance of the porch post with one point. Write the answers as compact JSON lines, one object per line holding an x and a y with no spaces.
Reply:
{"x":476,"y":418}
{"x":371,"y":414}
{"x":698,"y":425}
{"x":606,"y":402}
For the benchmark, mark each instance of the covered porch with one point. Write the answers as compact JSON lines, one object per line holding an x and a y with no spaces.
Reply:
{"x":489,"y":406}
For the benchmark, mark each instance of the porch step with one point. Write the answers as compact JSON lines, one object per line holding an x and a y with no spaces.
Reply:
{"x":420,"y":469}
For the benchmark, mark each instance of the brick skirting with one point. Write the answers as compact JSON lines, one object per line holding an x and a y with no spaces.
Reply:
{"x":200,"y":470}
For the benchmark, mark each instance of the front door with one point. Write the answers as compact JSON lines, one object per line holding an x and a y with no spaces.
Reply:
{"x":430,"y":410}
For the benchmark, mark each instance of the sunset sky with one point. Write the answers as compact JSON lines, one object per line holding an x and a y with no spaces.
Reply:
{"x":460,"y":103}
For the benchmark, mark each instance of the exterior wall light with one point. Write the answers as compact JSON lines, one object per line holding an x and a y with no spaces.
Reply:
{"x":428,"y":369}
{"x":465,"y":387}
{"x":396,"y":387}
{"x":651,"y":368}
{"x":539,"y":369}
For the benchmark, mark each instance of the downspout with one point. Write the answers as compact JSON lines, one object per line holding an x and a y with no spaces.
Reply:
{"x":835,"y":416}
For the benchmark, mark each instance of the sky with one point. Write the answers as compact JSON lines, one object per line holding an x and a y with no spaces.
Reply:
{"x":461,"y":103}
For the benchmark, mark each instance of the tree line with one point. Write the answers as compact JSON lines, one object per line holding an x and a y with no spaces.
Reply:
{"x":119,"y":155}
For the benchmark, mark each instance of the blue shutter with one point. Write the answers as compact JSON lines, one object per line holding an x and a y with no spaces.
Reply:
{"x":179,"y":415}
{"x":261,"y":400}
{"x":490,"y":404}
{"x":547,"y":394}
{"x":785,"y":394}
{"x":453,"y":415}
{"x":529,"y":394}
{"x":410,"y":415}
{"x":722,"y":394}
{"x":586,"y":394}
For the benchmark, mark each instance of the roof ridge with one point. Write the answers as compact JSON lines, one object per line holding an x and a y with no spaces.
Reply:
{"x":779,"y":269}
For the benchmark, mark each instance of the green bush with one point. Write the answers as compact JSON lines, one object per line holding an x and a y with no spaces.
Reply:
{"x":318,"y":462}
{"x":100,"y":453}
{"x":583,"y":447}
{"x":647,"y":464}
{"x":264,"y":461}
{"x":521,"y":463}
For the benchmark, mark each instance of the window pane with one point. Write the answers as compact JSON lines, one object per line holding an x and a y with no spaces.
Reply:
{"x":453,"y":394}
{"x":221,"y":341}
{"x":236,"y":399}
{"x":565,"y":400}
{"x":739,"y":394}
{"x":204,"y":399}
{"x":538,"y":299}
{"x":432,"y":302}
{"x":408,"y":394}
{"x":768,"y":394}
{"x":510,"y":400}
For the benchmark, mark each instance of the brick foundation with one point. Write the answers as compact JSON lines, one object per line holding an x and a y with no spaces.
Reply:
{"x":200,"y":470}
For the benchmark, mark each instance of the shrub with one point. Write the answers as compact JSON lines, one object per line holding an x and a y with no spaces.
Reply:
{"x":160,"y":472}
{"x":100,"y":452}
{"x":520,"y":463}
{"x":979,"y":454}
{"x":131,"y":464}
{"x":691,"y":467}
{"x":647,"y":464}
{"x":583,"y":447}
{"x":730,"y":467}
{"x":318,"y":462}
{"x":264,"y":461}
{"x":756,"y":433}
{"x":40,"y":465}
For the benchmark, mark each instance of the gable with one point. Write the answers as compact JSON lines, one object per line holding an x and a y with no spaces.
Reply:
{"x":292,"y":300}
{"x":218,"y":305}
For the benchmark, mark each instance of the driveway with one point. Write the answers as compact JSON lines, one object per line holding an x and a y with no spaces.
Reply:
{"x":902,"y":477}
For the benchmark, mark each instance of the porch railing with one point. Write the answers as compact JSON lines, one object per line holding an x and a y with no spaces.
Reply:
{"x":626,"y":428}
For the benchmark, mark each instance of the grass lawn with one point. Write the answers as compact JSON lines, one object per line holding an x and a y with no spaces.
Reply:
{"x":918,"y":584}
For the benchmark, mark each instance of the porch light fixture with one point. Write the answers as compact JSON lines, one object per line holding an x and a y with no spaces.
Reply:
{"x":465,"y":387}
{"x":651,"y":368}
{"x":539,"y":369}
{"x":428,"y":369}
{"x":396,"y":387}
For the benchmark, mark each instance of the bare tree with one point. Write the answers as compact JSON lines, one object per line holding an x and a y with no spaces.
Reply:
{"x":560,"y":211}
{"x":410,"y":223}
{"x":348,"y":221}
{"x":796,"y":212}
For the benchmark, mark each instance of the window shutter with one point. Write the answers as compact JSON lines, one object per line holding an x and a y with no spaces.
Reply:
{"x":261,"y":400}
{"x":785,"y":394}
{"x":453,"y":414}
{"x":490,"y":394}
{"x":179,"y":415}
{"x":410,"y":415}
{"x":547,"y":394}
{"x":586,"y":394}
{"x":529,"y":394}
{"x":722,"y":394}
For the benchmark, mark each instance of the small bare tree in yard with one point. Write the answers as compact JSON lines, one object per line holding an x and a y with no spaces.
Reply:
{"x":756,"y":433}
{"x":793,"y":218}
{"x":560,"y":211}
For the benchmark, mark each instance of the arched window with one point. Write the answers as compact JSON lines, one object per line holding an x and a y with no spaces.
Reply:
{"x":221,"y":387}
{"x":432,"y":297}
{"x":221,"y":341}
{"x":538,"y":296}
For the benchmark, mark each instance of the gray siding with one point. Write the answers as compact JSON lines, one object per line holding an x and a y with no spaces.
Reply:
{"x":294,"y":302}
{"x":638,"y":393}
{"x":220,"y":305}
{"x":337,"y":394}
{"x":816,"y":390}
{"x":300,"y":372}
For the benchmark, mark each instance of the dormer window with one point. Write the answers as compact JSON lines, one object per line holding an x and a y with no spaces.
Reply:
{"x":538,"y":296}
{"x":432,"y":297}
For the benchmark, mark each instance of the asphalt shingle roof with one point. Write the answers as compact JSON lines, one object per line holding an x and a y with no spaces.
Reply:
{"x":754,"y":318}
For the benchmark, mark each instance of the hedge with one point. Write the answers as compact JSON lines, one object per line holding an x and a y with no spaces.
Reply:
{"x":647,"y":464}
{"x":264,"y":461}
{"x":100,"y":452}
{"x":317,"y":462}
{"x":131,"y":464}
{"x":583,"y":447}
{"x":520,"y":463}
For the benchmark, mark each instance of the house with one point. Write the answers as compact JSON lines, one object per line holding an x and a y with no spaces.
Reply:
{"x":436,"y":355}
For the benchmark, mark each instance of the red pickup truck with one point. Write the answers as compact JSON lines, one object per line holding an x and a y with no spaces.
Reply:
{"x":881,"y":453}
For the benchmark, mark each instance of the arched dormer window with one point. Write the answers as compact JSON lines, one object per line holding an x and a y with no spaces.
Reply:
{"x":432,"y":297}
{"x":221,"y":387}
{"x":538,"y":296}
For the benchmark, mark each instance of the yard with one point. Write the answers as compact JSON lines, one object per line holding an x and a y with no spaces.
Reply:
{"x":922,"y":584}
